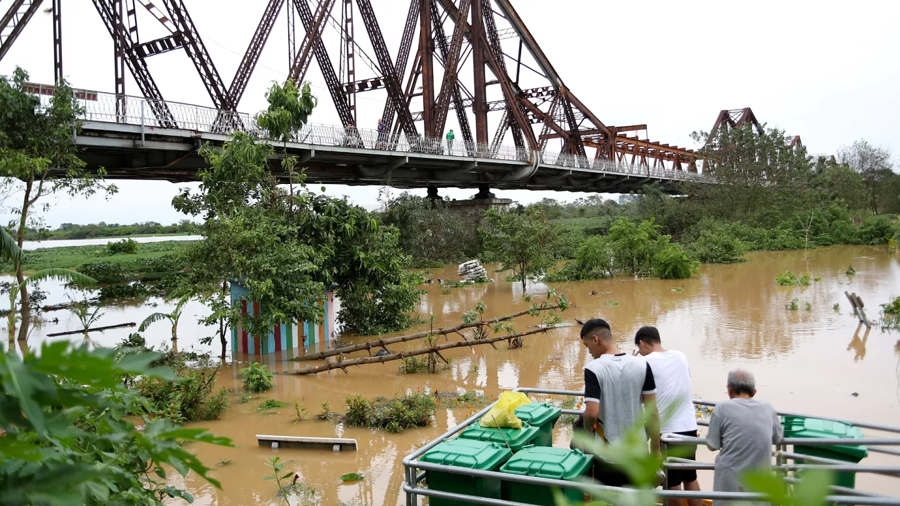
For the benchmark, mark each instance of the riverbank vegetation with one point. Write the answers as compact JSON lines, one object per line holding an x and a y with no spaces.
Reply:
{"x":72,"y":231}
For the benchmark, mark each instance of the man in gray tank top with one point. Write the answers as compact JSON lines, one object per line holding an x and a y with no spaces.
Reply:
{"x":616,"y":388}
{"x":745,"y":430}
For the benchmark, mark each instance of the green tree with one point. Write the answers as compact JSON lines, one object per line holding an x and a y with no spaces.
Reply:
{"x":289,"y":109}
{"x":759,"y":175}
{"x":634,"y":245}
{"x":38,"y":157}
{"x":429,"y":232}
{"x":873,"y":164}
{"x":285,"y":250}
{"x":523,"y":243}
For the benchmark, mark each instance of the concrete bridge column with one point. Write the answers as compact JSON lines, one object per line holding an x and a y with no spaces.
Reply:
{"x":433,"y":193}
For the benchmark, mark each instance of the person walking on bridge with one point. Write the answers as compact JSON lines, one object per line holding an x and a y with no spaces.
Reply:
{"x":673,"y":399}
{"x":450,"y":137}
{"x":745,"y":430}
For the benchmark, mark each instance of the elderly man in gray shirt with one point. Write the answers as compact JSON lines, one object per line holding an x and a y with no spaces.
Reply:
{"x":744,"y":430}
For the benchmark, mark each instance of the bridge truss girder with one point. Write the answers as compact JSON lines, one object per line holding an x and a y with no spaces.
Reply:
{"x":459,"y":57}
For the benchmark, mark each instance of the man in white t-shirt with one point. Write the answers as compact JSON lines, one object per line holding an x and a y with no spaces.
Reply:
{"x":673,"y":399}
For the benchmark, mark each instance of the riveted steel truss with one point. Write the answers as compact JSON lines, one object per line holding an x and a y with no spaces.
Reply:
{"x":475,"y":57}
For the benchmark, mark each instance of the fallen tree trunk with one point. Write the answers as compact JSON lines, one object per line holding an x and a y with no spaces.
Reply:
{"x":95,"y":329}
{"x":343,"y":364}
{"x":381,"y":343}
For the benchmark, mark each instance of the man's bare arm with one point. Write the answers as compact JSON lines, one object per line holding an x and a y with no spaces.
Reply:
{"x":652,"y":424}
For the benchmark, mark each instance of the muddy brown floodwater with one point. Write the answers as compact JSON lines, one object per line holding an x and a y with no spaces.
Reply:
{"x":811,"y":361}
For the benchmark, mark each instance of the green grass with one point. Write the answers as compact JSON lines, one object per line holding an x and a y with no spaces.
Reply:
{"x":70,"y":257}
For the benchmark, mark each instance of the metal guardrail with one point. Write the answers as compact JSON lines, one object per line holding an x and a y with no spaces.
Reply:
{"x":131,"y":110}
{"x":842,"y":495}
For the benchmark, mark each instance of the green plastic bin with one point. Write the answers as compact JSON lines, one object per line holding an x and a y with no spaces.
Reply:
{"x":516,"y":439}
{"x":801,"y":427}
{"x":540,"y":415}
{"x":471,"y":455}
{"x":545,"y":462}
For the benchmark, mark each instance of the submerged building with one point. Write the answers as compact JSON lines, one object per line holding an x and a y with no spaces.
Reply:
{"x":289,"y":338}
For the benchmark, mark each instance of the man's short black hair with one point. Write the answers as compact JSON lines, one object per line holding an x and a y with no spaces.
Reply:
{"x":647,"y":334}
{"x":592,"y":325}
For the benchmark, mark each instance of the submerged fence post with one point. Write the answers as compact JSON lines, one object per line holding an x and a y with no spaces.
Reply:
{"x":857,"y":304}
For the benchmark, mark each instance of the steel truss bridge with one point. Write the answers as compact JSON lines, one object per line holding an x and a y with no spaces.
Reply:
{"x":471,"y":56}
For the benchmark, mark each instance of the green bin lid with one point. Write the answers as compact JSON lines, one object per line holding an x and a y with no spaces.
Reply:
{"x":468,"y":453}
{"x":515,"y":438}
{"x":802,"y":427}
{"x":548,"y":462}
{"x":538,"y":413}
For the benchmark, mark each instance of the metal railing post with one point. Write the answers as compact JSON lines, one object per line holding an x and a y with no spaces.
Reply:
{"x":142,"y":122}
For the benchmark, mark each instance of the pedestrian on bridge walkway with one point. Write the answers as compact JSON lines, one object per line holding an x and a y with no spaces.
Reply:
{"x":450,"y":137}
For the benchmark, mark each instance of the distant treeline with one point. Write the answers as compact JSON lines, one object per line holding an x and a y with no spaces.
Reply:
{"x":102,"y":229}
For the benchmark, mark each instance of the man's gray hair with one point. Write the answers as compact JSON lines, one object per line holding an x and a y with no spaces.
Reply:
{"x":742,"y":382}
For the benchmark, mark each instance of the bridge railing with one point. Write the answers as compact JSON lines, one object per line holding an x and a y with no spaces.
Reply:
{"x":109,"y":107}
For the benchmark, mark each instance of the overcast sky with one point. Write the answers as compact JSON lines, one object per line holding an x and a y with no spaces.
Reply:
{"x":827,"y":71}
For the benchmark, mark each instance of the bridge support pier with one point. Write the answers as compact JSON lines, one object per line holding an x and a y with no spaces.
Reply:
{"x":433,"y":193}
{"x":484,"y":192}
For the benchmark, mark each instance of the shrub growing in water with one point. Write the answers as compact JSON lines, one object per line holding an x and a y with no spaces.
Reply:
{"x":392,"y":415}
{"x":190,"y":397}
{"x":787,"y":278}
{"x":673,"y":263}
{"x":103,"y":272}
{"x":717,"y":245}
{"x":256,"y":377}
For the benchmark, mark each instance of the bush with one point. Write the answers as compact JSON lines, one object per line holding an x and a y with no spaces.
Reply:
{"x":892,"y":307}
{"x":593,"y":260}
{"x":256,"y":377}
{"x":190,"y":397}
{"x":368,"y":310}
{"x":126,"y":246}
{"x":271,"y":404}
{"x":717,"y":245}
{"x":673,"y":263}
{"x":787,"y":278}
{"x":878,"y":229}
{"x":392,"y":415}
{"x":104,"y":272}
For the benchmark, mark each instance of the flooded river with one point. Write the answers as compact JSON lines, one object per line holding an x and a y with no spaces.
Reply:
{"x":812,"y":361}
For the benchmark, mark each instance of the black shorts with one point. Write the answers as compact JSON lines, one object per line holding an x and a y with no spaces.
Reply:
{"x":678,"y":476}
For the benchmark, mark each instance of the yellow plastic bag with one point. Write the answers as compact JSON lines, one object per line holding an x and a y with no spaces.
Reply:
{"x":503,"y":413}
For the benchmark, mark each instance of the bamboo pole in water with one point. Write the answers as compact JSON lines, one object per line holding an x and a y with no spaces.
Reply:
{"x":381,"y":343}
{"x":343,"y":364}
{"x":95,"y":329}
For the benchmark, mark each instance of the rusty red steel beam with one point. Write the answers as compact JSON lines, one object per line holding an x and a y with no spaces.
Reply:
{"x":448,"y":84}
{"x":426,"y":55}
{"x":254,"y":49}
{"x":18,"y":21}
{"x":390,"y":109}
{"x":136,"y":64}
{"x":597,"y":131}
{"x":395,"y":92}
{"x":458,"y":103}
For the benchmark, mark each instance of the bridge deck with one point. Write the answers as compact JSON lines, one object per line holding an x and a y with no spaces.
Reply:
{"x":131,"y":146}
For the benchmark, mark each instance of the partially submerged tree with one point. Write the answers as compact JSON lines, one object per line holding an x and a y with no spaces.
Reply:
{"x":523,"y":243}
{"x":172,"y":317}
{"x":38,"y":158}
